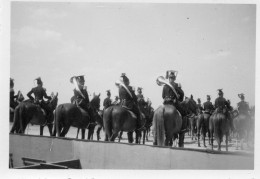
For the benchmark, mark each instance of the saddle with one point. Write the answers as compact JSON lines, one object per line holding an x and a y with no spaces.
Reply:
{"x":131,"y":112}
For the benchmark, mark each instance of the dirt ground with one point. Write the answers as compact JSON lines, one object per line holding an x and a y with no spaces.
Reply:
{"x":188,"y":142}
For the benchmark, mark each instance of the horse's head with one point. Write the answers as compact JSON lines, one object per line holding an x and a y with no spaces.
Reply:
{"x":54,"y":101}
{"x":95,"y":102}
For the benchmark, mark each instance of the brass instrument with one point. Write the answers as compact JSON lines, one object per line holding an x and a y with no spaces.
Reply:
{"x":121,"y":83}
{"x":162,"y":81}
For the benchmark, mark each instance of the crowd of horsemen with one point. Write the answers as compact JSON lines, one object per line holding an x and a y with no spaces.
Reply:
{"x":172,"y":94}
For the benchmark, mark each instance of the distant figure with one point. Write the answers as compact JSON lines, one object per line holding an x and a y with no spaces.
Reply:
{"x":81,"y":95}
{"x":242,"y":106}
{"x":107,"y":101}
{"x":116,"y":102}
{"x":208,"y":106}
{"x":140,"y":98}
{"x":40,"y":92}
{"x":199,"y":106}
{"x":129,"y":99}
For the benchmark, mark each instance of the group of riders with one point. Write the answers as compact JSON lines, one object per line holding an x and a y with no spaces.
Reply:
{"x":172,"y":94}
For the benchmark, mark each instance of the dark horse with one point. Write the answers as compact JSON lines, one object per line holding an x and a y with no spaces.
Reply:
{"x":69,"y":114}
{"x":167,"y":121}
{"x":203,"y":127}
{"x":116,"y":119}
{"x":19,"y":99}
{"x":219,"y":125}
{"x":28,"y":112}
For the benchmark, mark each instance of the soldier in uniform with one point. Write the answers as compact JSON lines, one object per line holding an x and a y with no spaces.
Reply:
{"x":169,"y":96}
{"x":107,"y":102}
{"x":199,"y":106}
{"x":81,"y":97}
{"x":13,"y":97}
{"x":140,"y":98}
{"x":40,"y":92}
{"x":116,"y":102}
{"x":208,"y":106}
{"x":129,"y":99}
{"x":242,"y":106}
{"x":221,"y":104}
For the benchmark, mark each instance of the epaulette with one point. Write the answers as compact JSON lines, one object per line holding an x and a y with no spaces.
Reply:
{"x":179,"y":85}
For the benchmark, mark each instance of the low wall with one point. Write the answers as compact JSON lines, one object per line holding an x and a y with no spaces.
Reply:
{"x":106,"y":155}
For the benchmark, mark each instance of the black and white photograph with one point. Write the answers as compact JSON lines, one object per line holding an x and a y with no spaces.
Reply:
{"x":149,"y":88}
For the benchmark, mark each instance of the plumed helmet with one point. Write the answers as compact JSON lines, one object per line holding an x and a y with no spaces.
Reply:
{"x":39,"y":80}
{"x":124,"y":78}
{"x":220,"y":92}
{"x":208,"y":97}
{"x":108,"y":92}
{"x":171,"y":74}
{"x":11,"y":82}
{"x":139,"y":89}
{"x":241,"y":96}
{"x":78,"y":78}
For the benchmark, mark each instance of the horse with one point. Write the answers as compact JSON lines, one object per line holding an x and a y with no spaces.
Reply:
{"x":219,"y":125}
{"x":192,"y":125}
{"x":242,"y":127}
{"x":28,"y":112}
{"x":168,"y":122}
{"x":203,"y":127}
{"x":68,"y":114}
{"x":118,"y":119}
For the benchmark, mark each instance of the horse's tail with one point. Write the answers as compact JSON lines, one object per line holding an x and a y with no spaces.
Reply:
{"x":57,"y":120}
{"x":158,"y":126}
{"x":107,"y":121}
{"x":217,"y":127}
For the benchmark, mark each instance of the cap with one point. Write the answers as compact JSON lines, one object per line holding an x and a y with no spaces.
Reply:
{"x":220,"y":91}
{"x":241,"y":96}
{"x":139,"y":88}
{"x":78,"y":78}
{"x":39,"y":80}
{"x":124,"y":77}
{"x":208,"y":96}
{"x":171,"y":74}
{"x":11,"y":81}
{"x":108,"y":92}
{"x":198,"y":99}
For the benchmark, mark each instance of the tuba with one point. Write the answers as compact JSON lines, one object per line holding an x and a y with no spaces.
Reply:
{"x":161,"y":81}
{"x":74,"y":81}
{"x":121,"y":83}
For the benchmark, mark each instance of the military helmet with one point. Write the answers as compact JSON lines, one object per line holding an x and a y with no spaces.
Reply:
{"x":39,"y":80}
{"x":241,"y":96}
{"x":124,"y":78}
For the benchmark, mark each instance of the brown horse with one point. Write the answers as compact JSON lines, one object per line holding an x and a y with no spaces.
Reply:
{"x":28,"y":112}
{"x":193,"y":127}
{"x":203,"y":127}
{"x":242,"y":128}
{"x":116,"y":119}
{"x":168,"y":122}
{"x":219,"y":126}
{"x":68,"y":114}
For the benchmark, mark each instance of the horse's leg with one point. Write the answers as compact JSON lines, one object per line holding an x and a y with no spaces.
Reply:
{"x":227,"y":135}
{"x":198,"y":131}
{"x":130,"y":137}
{"x":77,"y":133}
{"x":64,"y":131}
{"x":211,"y":139}
{"x":50,"y":126}
{"x":83,"y":131}
{"x":106,"y":137}
{"x":144,"y":135}
{"x":204,"y":135}
{"x":41,"y":130}
{"x":181,"y":139}
{"x":98,"y":133}
{"x":237,"y":141}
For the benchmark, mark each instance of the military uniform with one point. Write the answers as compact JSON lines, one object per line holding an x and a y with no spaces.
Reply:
{"x":81,"y":101}
{"x":13,"y":104}
{"x":243,"y":107}
{"x":208,"y":107}
{"x":107,"y":102}
{"x":221,"y":103}
{"x":169,"y":96}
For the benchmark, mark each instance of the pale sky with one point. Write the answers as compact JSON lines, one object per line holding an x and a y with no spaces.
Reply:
{"x":211,"y":46}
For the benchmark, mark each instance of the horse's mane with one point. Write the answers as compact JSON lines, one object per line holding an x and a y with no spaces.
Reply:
{"x":188,"y":104}
{"x":95,"y":102}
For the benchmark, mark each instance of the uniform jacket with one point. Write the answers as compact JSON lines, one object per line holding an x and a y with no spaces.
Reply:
{"x":125,"y":97}
{"x":39,"y":92}
{"x":80,"y":100}
{"x":221,"y":103}
{"x":12,"y":98}
{"x":243,"y":107}
{"x":168,"y":92}
{"x":208,"y":106}
{"x":107,"y":102}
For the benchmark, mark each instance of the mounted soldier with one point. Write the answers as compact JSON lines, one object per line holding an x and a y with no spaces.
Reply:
{"x":107,"y":101}
{"x":221,"y":104}
{"x":242,"y":106}
{"x":117,"y":101}
{"x":140,"y":99}
{"x":208,"y":106}
{"x":199,"y":106}
{"x":40,"y":93}
{"x":81,"y":97}
{"x":129,"y":99}
{"x":172,"y":93}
